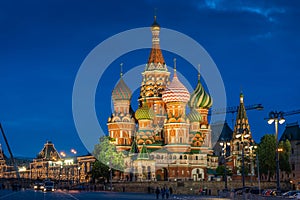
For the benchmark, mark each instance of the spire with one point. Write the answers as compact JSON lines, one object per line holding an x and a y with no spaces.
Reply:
{"x":241,"y":110}
{"x":241,"y":123}
{"x":121,"y":70}
{"x":156,"y":57}
{"x":175,"y":74}
{"x":134,"y":148}
{"x":241,"y":98}
{"x":143,"y":155}
{"x":199,"y":73}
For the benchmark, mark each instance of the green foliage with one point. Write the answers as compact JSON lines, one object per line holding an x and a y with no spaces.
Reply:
{"x":108,"y":157}
{"x":100,"y":172}
{"x":266,"y":155}
{"x":220,"y":171}
{"x":284,"y":156}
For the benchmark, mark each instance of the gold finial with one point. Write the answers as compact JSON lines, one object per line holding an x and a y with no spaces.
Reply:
{"x":121,"y":70}
{"x":155,"y":12}
{"x":198,"y":72}
{"x":174,"y":66}
{"x":241,"y":96}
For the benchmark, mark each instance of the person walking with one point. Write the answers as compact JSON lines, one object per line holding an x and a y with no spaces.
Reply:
{"x":171,"y":191}
{"x":157,"y":191}
{"x":163,"y":192}
{"x":167,"y":193}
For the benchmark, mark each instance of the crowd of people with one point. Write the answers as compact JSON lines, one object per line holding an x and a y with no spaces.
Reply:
{"x":164,"y":192}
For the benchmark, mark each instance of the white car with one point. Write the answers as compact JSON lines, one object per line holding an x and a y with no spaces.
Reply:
{"x":297,"y":195}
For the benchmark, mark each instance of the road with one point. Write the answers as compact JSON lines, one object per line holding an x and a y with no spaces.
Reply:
{"x":76,"y":195}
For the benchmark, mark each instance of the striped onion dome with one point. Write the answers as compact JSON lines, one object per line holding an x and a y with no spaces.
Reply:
{"x":176,"y":92}
{"x":194,"y":115}
{"x":200,"y":98}
{"x":144,"y":112}
{"x":121,"y":91}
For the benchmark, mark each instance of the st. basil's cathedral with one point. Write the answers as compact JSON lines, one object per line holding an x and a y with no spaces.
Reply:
{"x":161,"y":140}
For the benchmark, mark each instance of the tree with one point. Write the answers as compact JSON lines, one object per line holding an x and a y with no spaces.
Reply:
{"x":284,"y":156}
{"x":108,"y":158}
{"x":100,"y":172}
{"x":266,"y":155}
{"x":220,"y":171}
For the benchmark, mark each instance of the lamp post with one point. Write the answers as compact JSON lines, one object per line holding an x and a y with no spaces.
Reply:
{"x":251,"y":149}
{"x":110,"y":171}
{"x":276,"y":117}
{"x":224,"y":144}
{"x":243,"y":134}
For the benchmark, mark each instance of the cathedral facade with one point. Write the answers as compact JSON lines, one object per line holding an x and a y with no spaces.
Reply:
{"x":161,"y":140}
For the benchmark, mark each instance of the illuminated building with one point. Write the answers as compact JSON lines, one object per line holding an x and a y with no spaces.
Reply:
{"x":168,"y":143}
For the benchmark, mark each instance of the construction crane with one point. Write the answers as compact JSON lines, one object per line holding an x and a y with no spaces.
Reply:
{"x":234,"y":109}
{"x":293,"y":112}
{"x":10,"y":152}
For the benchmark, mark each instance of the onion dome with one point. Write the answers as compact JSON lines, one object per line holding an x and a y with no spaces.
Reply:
{"x":176,"y":91}
{"x":194,"y":115}
{"x":155,"y":25}
{"x":200,"y":98}
{"x":121,"y":91}
{"x":144,"y":112}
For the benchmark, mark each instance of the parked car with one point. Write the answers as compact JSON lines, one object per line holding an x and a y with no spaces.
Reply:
{"x":290,"y":194}
{"x":269,"y":192}
{"x":297,"y":195}
{"x":38,"y":186}
{"x":48,"y":186}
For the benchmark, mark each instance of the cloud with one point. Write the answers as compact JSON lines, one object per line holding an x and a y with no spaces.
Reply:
{"x":257,"y":7}
{"x":267,"y":35}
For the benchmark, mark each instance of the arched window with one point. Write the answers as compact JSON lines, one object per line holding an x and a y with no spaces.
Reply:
{"x":185,"y":157}
{"x":180,"y":157}
{"x":196,"y":157}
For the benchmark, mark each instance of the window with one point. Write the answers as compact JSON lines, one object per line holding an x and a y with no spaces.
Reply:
{"x":292,"y":150}
{"x":180,"y":157}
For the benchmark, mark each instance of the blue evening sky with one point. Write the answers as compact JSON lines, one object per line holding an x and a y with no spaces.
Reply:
{"x":255,"y":45}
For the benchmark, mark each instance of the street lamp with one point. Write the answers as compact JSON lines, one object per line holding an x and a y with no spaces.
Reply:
{"x":276,"y":117}
{"x":243,"y":134}
{"x":251,"y":155}
{"x":73,"y":151}
{"x":224,"y":144}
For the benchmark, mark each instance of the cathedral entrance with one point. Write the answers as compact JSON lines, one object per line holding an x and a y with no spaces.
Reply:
{"x":162,"y":174}
{"x":198,"y":174}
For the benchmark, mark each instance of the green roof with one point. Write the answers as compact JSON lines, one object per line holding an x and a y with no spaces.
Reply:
{"x":143,"y":155}
{"x":211,"y":171}
{"x":134,"y":148}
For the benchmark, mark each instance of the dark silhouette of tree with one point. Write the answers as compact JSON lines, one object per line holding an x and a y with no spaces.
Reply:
{"x":284,"y":156}
{"x":266,"y":155}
